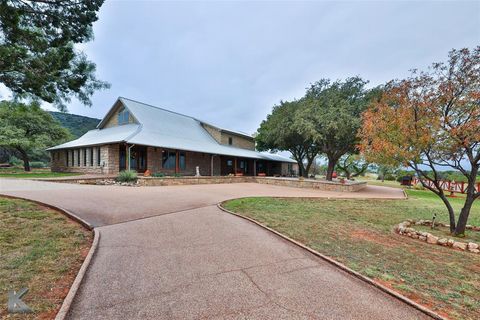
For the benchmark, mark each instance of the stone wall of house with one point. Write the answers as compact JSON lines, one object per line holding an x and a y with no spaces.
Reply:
{"x":192,"y":160}
{"x":80,"y":160}
{"x":223,"y":137}
{"x":237,"y":141}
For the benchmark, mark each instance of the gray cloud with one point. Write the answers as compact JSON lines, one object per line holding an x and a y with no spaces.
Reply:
{"x":229,"y":62}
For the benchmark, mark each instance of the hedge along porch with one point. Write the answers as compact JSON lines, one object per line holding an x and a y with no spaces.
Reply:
{"x":144,"y":137}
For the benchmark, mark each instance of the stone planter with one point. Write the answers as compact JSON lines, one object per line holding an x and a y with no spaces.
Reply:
{"x":405,"y":229}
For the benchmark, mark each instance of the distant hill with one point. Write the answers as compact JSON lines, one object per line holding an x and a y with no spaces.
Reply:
{"x":77,"y":125}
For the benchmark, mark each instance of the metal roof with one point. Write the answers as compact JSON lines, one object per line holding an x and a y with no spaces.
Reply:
{"x":159,"y":127}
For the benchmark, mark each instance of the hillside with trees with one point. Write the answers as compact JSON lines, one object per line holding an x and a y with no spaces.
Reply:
{"x":76,"y":124}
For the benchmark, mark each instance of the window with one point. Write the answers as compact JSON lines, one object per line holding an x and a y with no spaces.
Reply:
{"x":91,"y":157}
{"x":85,"y":157}
{"x":78,"y":158}
{"x":229,"y":163}
{"x":169,"y":159}
{"x":99,"y":158}
{"x":230,"y":140}
{"x":66,"y":158}
{"x":183,"y":163}
{"x":123,"y":116}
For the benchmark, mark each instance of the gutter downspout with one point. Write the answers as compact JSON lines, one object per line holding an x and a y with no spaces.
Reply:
{"x":128,"y":155}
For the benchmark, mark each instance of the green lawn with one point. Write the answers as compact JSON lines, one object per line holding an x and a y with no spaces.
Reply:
{"x":42,"y":250}
{"x":35,"y":173}
{"x":359,"y":234}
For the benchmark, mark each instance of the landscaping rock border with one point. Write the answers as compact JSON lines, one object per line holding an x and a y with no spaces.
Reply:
{"x":405,"y":229}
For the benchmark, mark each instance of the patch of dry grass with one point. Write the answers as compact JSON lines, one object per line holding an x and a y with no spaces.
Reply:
{"x":42,"y":250}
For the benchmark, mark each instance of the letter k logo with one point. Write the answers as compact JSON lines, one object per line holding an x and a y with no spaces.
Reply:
{"x":15,"y":304}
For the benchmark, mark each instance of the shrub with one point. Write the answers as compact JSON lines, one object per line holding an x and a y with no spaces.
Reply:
{"x":38,"y":164}
{"x":158,"y":175}
{"x":14,"y":161}
{"x":127,"y":176}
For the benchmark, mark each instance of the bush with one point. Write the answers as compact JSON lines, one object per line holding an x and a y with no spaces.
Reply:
{"x":158,"y":175}
{"x":127,"y":176}
{"x":38,"y":164}
{"x":14,"y":161}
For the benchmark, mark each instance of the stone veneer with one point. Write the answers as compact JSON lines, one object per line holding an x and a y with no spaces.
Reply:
{"x":109,"y":161}
{"x":172,"y":181}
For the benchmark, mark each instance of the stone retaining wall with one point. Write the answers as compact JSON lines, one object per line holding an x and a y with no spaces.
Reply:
{"x":313,"y":184}
{"x":175,"y":181}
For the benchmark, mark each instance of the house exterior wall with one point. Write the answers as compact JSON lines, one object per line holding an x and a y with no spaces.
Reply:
{"x":192,"y":160}
{"x":109,"y":160}
{"x":223,"y":137}
{"x":112,"y":121}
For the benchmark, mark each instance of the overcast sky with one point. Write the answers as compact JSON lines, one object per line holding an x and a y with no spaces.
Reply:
{"x":229,"y":62}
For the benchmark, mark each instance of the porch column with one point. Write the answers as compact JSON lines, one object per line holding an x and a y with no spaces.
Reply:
{"x":177,"y":161}
{"x":211,"y":164}
{"x":235,"y":167}
{"x":254,"y":167}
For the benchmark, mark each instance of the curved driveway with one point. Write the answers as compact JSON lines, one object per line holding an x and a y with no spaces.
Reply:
{"x":170,"y":253}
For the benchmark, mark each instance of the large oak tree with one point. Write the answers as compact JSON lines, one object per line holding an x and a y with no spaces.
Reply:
{"x":332,"y":116}
{"x":26,"y":129}
{"x":279,"y":132}
{"x":38,"y":58}
{"x":430,"y":121}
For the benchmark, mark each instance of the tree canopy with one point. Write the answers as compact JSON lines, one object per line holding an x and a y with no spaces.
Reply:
{"x":428,"y":121}
{"x":280,"y":132}
{"x":38,"y":58}
{"x":27,"y":129}
{"x":332,"y":116}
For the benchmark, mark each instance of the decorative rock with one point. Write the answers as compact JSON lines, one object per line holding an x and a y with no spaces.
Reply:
{"x":450,"y":242}
{"x":472,"y":245}
{"x":474,"y":250}
{"x":432,"y":239}
{"x":443,"y":241}
{"x":459,"y":245}
{"x":415,"y":236}
{"x":423,"y":238}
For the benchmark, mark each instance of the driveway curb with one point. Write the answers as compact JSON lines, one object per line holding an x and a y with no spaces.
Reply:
{"x":392,"y":293}
{"x":67,"y":302}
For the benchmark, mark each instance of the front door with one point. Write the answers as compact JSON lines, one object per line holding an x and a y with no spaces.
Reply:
{"x":138,"y":159}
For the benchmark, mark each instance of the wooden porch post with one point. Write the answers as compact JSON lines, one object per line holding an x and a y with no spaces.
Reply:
{"x":254,"y":167}
{"x":177,"y":161}
{"x":235,"y":167}
{"x":211,"y":164}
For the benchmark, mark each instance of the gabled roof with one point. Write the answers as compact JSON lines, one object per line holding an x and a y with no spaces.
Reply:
{"x":159,"y":127}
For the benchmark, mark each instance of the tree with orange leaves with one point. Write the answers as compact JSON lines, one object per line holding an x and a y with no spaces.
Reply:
{"x":430,"y":121}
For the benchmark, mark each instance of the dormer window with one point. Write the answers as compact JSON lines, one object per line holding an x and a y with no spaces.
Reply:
{"x":230,"y":140}
{"x":123,"y":116}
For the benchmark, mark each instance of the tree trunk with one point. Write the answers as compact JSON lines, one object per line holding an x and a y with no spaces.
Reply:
{"x":330,"y":168}
{"x":301,"y":169}
{"x":26,"y":160}
{"x":463,"y":218}
{"x":347,"y":174}
{"x":307,"y":169}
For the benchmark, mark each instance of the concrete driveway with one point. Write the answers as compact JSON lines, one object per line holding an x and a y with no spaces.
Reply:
{"x":170,"y":253}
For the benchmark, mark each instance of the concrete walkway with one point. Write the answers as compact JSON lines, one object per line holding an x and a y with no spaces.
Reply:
{"x":170,"y":253}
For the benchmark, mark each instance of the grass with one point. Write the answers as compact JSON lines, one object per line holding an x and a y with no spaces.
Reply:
{"x":42,"y":250}
{"x":35,"y":173}
{"x":359,"y":234}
